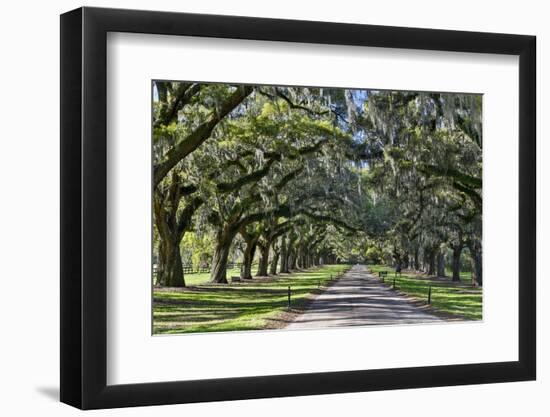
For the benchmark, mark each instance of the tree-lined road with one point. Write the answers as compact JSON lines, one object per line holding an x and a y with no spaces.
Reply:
{"x":292,"y":178}
{"x":359,"y":299}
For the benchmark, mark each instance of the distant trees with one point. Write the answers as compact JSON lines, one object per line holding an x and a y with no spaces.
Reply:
{"x":299,"y":176}
{"x":429,"y":149}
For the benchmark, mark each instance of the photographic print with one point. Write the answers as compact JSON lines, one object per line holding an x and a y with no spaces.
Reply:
{"x":333,"y":205}
{"x":290,"y":207}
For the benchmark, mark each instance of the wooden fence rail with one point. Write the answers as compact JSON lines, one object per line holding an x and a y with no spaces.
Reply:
{"x":189,"y":269}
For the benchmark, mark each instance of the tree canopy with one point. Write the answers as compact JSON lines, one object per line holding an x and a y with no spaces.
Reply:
{"x":298,"y":176}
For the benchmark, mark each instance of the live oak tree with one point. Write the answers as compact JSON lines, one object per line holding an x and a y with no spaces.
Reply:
{"x":175,"y":136}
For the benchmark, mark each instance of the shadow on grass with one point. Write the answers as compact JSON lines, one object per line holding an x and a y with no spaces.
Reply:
{"x":244,"y":306}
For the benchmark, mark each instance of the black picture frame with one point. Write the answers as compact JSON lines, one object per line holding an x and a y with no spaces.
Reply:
{"x":84,"y":207}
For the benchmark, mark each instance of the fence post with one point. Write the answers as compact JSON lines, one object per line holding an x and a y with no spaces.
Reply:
{"x":430,"y":294}
{"x":394,"y":283}
{"x":289,"y":296}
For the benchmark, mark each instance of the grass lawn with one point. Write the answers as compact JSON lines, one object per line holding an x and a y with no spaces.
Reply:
{"x":465,"y":276}
{"x":202,"y":278}
{"x":249,"y":305}
{"x":456,"y":298}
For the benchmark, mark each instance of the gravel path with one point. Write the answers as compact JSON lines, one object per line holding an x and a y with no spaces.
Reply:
{"x":359,"y":299}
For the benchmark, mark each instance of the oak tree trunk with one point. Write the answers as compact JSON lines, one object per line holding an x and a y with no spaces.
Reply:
{"x":248,"y":257}
{"x":457,"y":251}
{"x":478,"y":269}
{"x":274,"y":263}
{"x":170,"y":270}
{"x":475,"y":252}
{"x":284,"y":258}
{"x":431,"y":261}
{"x":264,"y":261}
{"x":292,"y":261}
{"x":218,"y":274}
{"x":441,"y":264}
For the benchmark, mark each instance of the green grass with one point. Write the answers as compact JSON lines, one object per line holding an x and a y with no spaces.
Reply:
{"x":455,"y":298}
{"x":465,"y":276}
{"x":192,"y":280}
{"x":240,"y":306}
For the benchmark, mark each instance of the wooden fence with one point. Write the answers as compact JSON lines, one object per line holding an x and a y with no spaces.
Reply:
{"x":189,"y":269}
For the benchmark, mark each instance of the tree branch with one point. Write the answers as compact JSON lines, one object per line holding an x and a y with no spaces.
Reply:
{"x":292,"y":105}
{"x":184,"y":221}
{"x":465,"y":179}
{"x":182,"y":96}
{"x":199,"y":135}
{"x":288,"y":177}
{"x":329,"y":219}
{"x":255,"y":176}
{"x":476,"y":198}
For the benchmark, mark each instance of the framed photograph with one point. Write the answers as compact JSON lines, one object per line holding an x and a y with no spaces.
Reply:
{"x":259,"y":208}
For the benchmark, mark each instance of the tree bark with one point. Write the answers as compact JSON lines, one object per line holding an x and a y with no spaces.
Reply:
{"x":218,"y":274}
{"x":478,"y":268}
{"x":301,"y":257}
{"x":170,"y":269}
{"x":248,"y":258}
{"x":457,"y":251}
{"x":291,"y":252}
{"x":476,"y":254}
{"x":292,"y":260}
{"x":441,"y":264}
{"x":283,"y":269}
{"x":431,"y":261}
{"x":264,"y":260}
{"x":274,"y":263}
